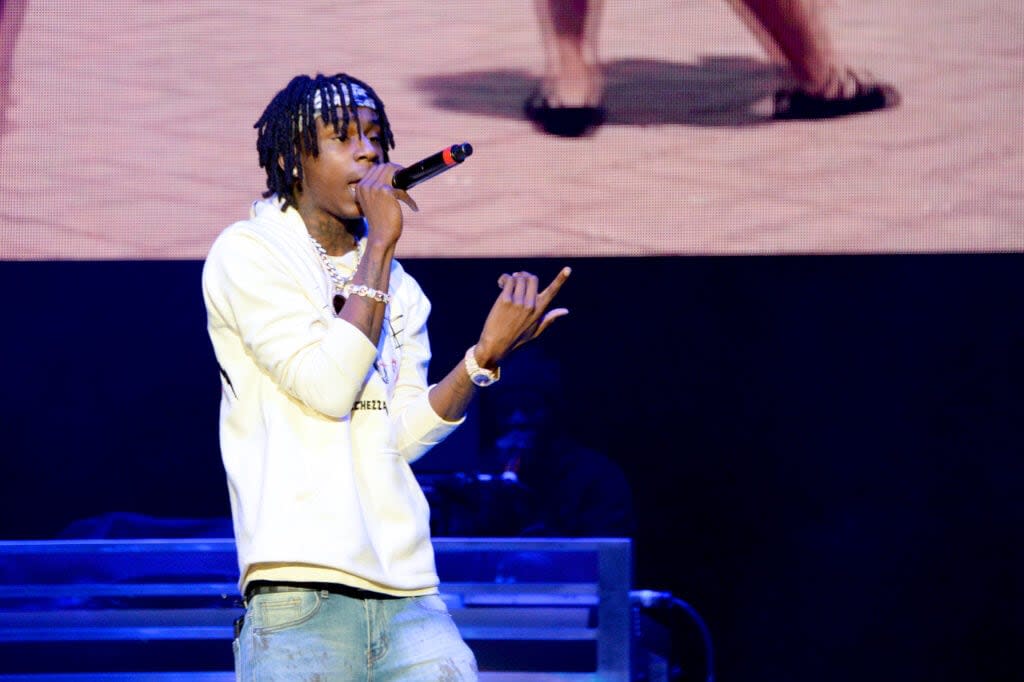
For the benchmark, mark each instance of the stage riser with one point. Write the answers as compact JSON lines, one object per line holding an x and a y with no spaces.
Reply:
{"x":545,"y":609}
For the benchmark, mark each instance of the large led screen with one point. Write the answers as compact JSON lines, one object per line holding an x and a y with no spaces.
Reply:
{"x":127,"y":127}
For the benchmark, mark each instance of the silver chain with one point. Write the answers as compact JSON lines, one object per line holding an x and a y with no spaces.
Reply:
{"x":337,"y":279}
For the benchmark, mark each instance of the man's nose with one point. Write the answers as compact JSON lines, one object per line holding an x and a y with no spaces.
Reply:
{"x":366,"y":149}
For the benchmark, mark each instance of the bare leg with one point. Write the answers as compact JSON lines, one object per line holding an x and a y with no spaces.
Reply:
{"x":572,"y":72}
{"x":568,"y":102}
{"x":769,"y":45}
{"x":12,"y":13}
{"x":795,"y":31}
{"x":796,"y":28}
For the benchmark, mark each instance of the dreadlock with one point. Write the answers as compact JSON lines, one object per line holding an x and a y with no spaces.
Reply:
{"x":288,"y":126}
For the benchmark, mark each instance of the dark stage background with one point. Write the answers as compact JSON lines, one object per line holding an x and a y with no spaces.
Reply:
{"x":825,"y":452}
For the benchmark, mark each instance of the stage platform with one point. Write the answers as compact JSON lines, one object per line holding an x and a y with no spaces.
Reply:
{"x":156,"y":610}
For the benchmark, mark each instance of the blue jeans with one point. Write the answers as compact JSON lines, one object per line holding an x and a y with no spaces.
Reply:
{"x":316,"y":635}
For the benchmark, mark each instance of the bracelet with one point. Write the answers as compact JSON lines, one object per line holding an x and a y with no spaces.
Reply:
{"x":366,"y":292}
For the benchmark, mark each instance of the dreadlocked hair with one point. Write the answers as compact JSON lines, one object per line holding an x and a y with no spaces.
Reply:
{"x":288,"y":126}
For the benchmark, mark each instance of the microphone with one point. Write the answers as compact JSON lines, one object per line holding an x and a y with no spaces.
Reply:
{"x":434,"y":164}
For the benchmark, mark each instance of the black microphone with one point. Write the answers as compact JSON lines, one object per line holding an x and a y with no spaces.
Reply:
{"x":434,"y":164}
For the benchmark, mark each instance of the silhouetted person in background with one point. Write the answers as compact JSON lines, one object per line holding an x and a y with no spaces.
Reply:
{"x":535,"y":479}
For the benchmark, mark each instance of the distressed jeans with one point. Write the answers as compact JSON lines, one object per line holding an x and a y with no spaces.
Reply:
{"x":316,"y":635}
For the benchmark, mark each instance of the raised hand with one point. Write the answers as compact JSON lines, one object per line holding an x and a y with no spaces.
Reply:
{"x":519,"y":315}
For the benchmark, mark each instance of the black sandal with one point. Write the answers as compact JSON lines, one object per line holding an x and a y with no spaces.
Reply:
{"x":562,"y":121}
{"x":798,"y":104}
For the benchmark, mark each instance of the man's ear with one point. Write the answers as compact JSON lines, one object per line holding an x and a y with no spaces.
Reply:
{"x":280,"y":164}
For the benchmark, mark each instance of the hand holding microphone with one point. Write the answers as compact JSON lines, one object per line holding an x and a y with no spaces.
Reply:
{"x":378,"y":203}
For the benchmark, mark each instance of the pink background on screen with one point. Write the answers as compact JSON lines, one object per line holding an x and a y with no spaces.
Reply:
{"x":128,"y":128}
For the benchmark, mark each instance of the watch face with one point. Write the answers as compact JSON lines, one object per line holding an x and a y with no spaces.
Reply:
{"x":481,"y":379}
{"x":478,"y":375}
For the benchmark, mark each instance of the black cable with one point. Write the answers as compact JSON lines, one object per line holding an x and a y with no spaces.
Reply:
{"x":649,"y":598}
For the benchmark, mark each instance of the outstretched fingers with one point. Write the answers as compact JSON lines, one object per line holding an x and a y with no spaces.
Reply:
{"x":507,"y":283}
{"x":545,"y":297}
{"x":521,"y":312}
{"x":519,"y":288}
{"x":548,"y":318}
{"x":530,"y":292}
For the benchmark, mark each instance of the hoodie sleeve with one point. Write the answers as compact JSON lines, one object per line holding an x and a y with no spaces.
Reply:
{"x":315,"y":357}
{"x":417,"y":427}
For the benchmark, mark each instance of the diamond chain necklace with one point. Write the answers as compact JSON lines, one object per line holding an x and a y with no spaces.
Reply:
{"x":337,"y":279}
{"x":341,"y":283}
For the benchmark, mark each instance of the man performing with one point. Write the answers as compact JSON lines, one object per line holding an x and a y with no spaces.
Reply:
{"x":322,"y":343}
